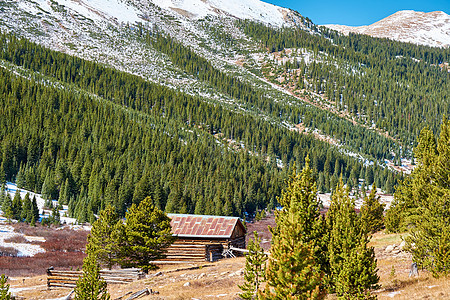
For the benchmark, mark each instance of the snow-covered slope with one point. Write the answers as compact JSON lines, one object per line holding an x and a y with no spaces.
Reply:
{"x":242,"y":9}
{"x":105,"y":31}
{"x":431,"y":29}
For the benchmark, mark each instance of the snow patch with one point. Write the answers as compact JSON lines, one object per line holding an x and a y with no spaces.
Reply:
{"x":7,"y":231}
{"x":100,"y":10}
{"x":432,"y":29}
{"x":248,"y":9}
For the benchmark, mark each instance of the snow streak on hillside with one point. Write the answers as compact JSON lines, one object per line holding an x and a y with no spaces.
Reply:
{"x":248,"y":9}
{"x":431,"y":29}
{"x":97,"y":10}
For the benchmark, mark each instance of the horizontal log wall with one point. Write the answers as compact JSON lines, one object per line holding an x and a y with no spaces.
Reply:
{"x":198,"y":250}
{"x":177,"y":252}
{"x":68,"y":279}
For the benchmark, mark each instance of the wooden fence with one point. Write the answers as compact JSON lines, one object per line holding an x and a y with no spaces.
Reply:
{"x":68,"y":279}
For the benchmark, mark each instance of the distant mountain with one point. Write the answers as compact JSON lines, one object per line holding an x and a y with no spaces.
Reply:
{"x":429,"y":29}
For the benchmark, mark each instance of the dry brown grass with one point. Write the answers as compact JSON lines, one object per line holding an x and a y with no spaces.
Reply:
{"x":401,"y":286}
{"x":213,"y":281}
{"x":208,"y":281}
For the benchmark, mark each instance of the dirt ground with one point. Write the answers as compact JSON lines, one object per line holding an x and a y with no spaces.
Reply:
{"x":220,"y":280}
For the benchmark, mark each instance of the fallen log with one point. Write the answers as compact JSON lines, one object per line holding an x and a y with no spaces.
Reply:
{"x":136,"y":295}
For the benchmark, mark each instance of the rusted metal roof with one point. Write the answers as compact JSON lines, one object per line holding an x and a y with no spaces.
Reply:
{"x":203,"y":226}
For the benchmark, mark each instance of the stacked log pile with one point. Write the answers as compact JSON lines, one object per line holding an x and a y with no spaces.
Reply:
{"x":68,"y":279}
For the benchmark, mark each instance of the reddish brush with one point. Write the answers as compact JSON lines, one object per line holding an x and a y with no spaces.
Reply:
{"x":38,"y":264}
{"x":64,"y":250}
{"x":17,"y":239}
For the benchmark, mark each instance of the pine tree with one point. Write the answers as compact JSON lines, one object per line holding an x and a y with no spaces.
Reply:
{"x":2,"y":175}
{"x":20,"y":177}
{"x":147,"y":234}
{"x":55,"y":216}
{"x":353,"y":267}
{"x":372,"y":212}
{"x":103,"y":239}
{"x":255,"y":267}
{"x":26,"y":213}
{"x":4,"y":288}
{"x":2,"y":194}
{"x":7,"y":208}
{"x":49,"y":190}
{"x":423,"y":201}
{"x":90,"y":286}
{"x":17,"y":205}
{"x":293,"y":271}
{"x":35,"y":209}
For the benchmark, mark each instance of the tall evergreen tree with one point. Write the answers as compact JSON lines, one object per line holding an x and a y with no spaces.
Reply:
{"x":2,"y":175}
{"x":255,"y":268}
{"x":293,"y":271}
{"x":103,"y":239}
{"x":17,"y":205}
{"x":423,"y":199}
{"x":35,"y":209}
{"x":372,"y":212}
{"x":2,"y":194}
{"x":147,"y":233}
{"x":353,"y":267}
{"x":7,"y":208}
{"x":27,"y":212}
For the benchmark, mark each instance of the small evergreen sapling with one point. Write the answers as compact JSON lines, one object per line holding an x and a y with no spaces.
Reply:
{"x":90,"y":286}
{"x":4,"y":288}
{"x":255,"y":268}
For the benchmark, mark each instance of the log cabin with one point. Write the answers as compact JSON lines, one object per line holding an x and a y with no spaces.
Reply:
{"x":203,"y":238}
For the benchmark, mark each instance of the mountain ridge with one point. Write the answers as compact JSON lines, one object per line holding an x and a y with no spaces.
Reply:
{"x":428,"y":29}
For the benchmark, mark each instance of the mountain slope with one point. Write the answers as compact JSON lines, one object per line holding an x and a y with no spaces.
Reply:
{"x":429,"y":29}
{"x":250,"y":86}
{"x":249,"y":9}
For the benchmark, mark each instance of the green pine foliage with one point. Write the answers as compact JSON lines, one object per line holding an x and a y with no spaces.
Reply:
{"x":255,"y":268}
{"x":103,"y":239}
{"x":372,"y":212}
{"x":4,"y":288}
{"x":396,"y":85}
{"x":353,"y":267}
{"x":294,"y":272}
{"x":7,"y":208}
{"x":90,"y":286}
{"x":2,"y":194}
{"x":34,"y":210}
{"x":2,"y":175}
{"x":420,"y":202}
{"x":177,"y":162}
{"x":27,"y":209}
{"x":145,"y":235}
{"x":17,"y":206}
